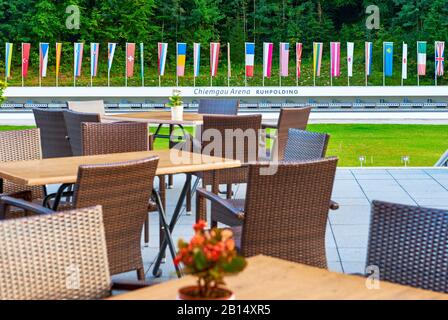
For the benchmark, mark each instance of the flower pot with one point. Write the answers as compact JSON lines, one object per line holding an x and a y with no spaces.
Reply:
{"x":190,"y":293}
{"x":177,"y":113}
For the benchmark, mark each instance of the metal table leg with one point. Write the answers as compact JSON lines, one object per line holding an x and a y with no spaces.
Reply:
{"x":171,"y":226}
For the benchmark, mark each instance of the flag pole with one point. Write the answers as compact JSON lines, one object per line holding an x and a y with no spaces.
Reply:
{"x":126,"y":70}
{"x":177,"y":65}
{"x":280,"y":66}
{"x":228,"y":64}
{"x":418,"y":75}
{"x":331,"y":71}
{"x":22,"y":66}
{"x":435,"y":63}
{"x":384,"y":75}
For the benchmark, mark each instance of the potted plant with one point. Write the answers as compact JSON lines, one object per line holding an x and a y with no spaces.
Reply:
{"x":177,"y":105}
{"x":210,"y":255}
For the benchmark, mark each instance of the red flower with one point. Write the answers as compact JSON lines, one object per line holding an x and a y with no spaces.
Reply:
{"x":200,"y":225}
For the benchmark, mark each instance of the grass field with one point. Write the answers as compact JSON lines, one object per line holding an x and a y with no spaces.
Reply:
{"x":382,"y":145}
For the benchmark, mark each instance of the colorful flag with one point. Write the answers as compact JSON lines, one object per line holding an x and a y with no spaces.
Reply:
{"x":404,"y":66}
{"x":94,"y":51}
{"x":25,"y":58}
{"x":196,"y":58}
{"x":214,"y":58}
{"x":142,"y":60}
{"x":368,"y":57}
{"x":250,"y":58}
{"x":162,"y":50}
{"x":440,"y":57}
{"x":181,"y":58}
{"x":388,"y":48}
{"x":110,"y":55}
{"x":335,"y":59}
{"x":299,"y":49}
{"x":79,"y":51}
{"x":350,"y":49}
{"x":317,"y":57}
{"x":268,"y":48}
{"x":130,"y":59}
{"x":8,"y":59}
{"x":284,"y":59}
{"x":58,"y":57}
{"x":43,"y":58}
{"x":421,"y":58}
{"x":229,"y":65}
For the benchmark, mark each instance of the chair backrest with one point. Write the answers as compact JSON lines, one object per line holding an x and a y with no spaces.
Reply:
{"x":123,"y":190}
{"x":296,"y":118}
{"x":20,"y":145}
{"x":219,"y":106}
{"x":409,"y":245}
{"x":54,"y":257}
{"x":239,"y":136}
{"x":103,"y":138}
{"x":96,"y":106}
{"x":53,"y":133}
{"x":305,"y":145}
{"x":73,"y":121}
{"x":286,"y":212}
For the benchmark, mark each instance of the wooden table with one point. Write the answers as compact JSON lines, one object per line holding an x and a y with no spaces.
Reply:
{"x":158,"y":117}
{"x":65,"y":170}
{"x":267,"y":278}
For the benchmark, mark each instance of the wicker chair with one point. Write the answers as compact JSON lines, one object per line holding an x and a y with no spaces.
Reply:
{"x":123,"y":190}
{"x":73,"y":121}
{"x":55,"y":256}
{"x":104,"y":138}
{"x":305,"y":145}
{"x":409,"y":245}
{"x":53,"y":133}
{"x":296,"y":118}
{"x":96,"y":106}
{"x":218,"y":106}
{"x":20,"y":145}
{"x":246,"y":152}
{"x":285,"y":222}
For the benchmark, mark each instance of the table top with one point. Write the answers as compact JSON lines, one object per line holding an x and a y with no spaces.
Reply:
{"x":267,"y":278}
{"x":159,"y":117}
{"x":65,"y":170}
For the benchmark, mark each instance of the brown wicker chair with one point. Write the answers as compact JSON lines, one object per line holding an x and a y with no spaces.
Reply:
{"x":73,"y":121}
{"x":123,"y":190}
{"x":284,"y":214}
{"x":296,"y":118}
{"x":20,"y":145}
{"x":305,"y":145}
{"x":53,"y":133}
{"x":55,"y":256}
{"x":409,"y":245}
{"x":118,"y":137}
{"x":246,"y":152}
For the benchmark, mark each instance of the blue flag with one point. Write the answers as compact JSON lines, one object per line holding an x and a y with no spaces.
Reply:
{"x":388,"y":58}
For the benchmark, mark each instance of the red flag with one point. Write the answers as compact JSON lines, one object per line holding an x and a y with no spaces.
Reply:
{"x":25,"y":58}
{"x":130,"y":57}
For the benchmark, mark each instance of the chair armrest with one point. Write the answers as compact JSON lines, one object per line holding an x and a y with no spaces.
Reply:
{"x":334,"y":205}
{"x":129,"y":285}
{"x":6,"y":201}
{"x":220,"y":201}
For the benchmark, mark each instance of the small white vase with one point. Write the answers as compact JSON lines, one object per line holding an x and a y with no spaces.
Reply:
{"x":177,"y":113}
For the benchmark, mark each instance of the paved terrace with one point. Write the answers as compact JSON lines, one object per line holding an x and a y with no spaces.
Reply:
{"x":347,"y":231}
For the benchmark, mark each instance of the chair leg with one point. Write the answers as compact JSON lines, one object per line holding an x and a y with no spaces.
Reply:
{"x":146,"y":231}
{"x":229,"y":190}
{"x":188,"y":201}
{"x":141,"y":274}
{"x":162,"y":193}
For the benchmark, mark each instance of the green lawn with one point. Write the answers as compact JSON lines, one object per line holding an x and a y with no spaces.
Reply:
{"x":381,"y":144}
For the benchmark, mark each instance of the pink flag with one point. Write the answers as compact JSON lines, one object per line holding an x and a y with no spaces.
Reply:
{"x":284,"y":59}
{"x":335,"y":50}
{"x":299,"y":48}
{"x":25,"y":58}
{"x":214,"y":58}
{"x":130,"y":57}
